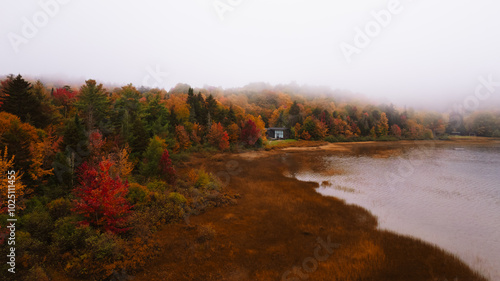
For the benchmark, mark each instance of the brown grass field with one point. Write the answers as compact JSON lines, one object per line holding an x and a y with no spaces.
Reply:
{"x":276,"y":224}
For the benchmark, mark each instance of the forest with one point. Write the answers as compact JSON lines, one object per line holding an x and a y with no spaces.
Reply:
{"x":98,"y":170}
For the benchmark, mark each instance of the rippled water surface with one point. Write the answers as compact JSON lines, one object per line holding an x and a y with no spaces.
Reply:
{"x":448,"y":196}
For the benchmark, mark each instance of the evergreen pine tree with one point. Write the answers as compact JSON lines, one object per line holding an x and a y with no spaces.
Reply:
{"x":139,"y":138}
{"x":17,"y":98}
{"x":93,"y":103}
{"x":75,"y":139}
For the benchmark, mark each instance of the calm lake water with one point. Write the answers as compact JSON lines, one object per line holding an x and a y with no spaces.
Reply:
{"x":448,"y":196}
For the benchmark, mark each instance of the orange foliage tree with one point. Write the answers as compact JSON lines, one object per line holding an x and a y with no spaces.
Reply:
{"x":217,"y":137}
{"x":23,"y":141}
{"x":195,"y":133}
{"x":339,"y":127}
{"x":297,"y":130}
{"x":182,"y":137}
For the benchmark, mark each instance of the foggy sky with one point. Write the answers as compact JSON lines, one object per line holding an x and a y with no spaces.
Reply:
{"x":429,"y":51}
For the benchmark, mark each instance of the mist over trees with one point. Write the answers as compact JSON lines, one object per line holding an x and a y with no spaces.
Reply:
{"x":96,"y":167}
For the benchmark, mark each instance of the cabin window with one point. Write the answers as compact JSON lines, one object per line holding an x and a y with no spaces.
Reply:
{"x":278,"y":134}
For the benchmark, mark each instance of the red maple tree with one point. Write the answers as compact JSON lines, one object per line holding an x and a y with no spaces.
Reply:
{"x":166,"y":167}
{"x":395,"y":130}
{"x":249,"y":133}
{"x":101,"y":198}
{"x":64,"y":96}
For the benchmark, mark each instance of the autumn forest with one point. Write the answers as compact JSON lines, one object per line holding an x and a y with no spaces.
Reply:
{"x":98,"y":170}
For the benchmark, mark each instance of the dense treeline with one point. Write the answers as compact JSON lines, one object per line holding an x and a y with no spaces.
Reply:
{"x":95,"y":169}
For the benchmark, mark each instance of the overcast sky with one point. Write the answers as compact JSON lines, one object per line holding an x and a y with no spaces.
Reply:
{"x":426,"y":50}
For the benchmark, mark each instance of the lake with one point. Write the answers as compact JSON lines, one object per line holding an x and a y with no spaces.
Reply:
{"x":446,"y":195}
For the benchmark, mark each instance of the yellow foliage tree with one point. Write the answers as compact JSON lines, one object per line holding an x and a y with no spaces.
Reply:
{"x":259,"y":124}
{"x":42,"y":154}
{"x":234,"y":132}
{"x":179,"y":105}
{"x":383,"y":125}
{"x":7,"y":165}
{"x":279,"y":117}
{"x":123,"y":166}
{"x":37,"y":170}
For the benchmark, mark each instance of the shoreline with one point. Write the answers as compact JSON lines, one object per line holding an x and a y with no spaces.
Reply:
{"x":368,"y":192}
{"x":276,"y":224}
{"x":350,"y":147}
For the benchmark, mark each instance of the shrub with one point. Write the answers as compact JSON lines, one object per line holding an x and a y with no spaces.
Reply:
{"x":496,"y":133}
{"x":259,"y":143}
{"x":29,"y":248}
{"x":67,"y":236}
{"x":137,"y":194}
{"x":367,"y":138}
{"x":234,"y":148}
{"x":183,"y":156}
{"x":387,"y":138}
{"x":36,"y":273}
{"x":104,"y":246}
{"x":203,"y":179}
{"x":59,"y":208}
{"x":177,"y":198}
{"x":342,"y":138}
{"x":206,"y":232}
{"x":98,"y":258}
{"x":338,"y":138}
{"x":158,"y":186}
{"x":331,"y":139}
{"x":39,"y":224}
{"x":428,"y":135}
